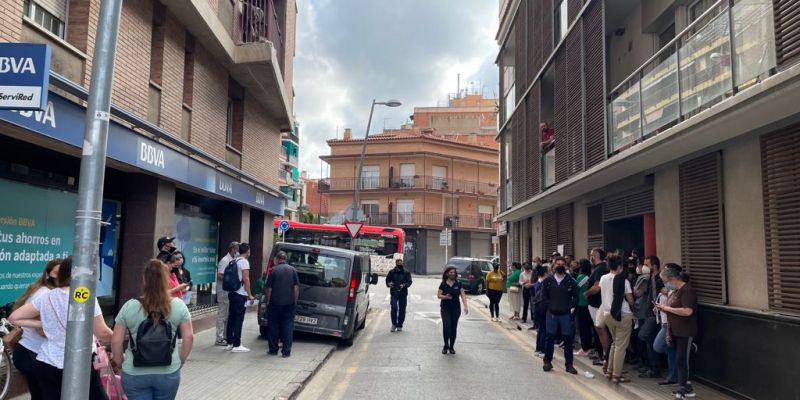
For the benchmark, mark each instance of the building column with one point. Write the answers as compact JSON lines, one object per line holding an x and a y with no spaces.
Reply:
{"x":650,"y":248}
{"x":148,"y":214}
{"x":234,"y":225}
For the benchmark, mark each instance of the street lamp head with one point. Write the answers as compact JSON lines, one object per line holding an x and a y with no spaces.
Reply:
{"x":393,"y":103}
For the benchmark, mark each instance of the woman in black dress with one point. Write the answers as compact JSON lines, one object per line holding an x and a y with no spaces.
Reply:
{"x":450,"y":290}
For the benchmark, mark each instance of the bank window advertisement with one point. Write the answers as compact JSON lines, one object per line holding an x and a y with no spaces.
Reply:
{"x":37,"y":225}
{"x":198,"y":239}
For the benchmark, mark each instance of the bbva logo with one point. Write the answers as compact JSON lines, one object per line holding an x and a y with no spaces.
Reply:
{"x":23,"y":65}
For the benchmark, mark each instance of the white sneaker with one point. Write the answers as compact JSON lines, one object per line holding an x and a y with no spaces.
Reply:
{"x":240,"y":349}
{"x":539,"y":354}
{"x":229,"y":347}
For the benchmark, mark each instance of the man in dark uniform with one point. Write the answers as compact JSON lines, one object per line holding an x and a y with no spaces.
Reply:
{"x":166,"y":247}
{"x":398,"y":280}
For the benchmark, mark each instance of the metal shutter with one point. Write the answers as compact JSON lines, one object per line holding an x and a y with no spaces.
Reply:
{"x":787,"y":32}
{"x":520,"y":158}
{"x":56,"y":7}
{"x":533,"y":139}
{"x":702,"y":226}
{"x":534,"y":28}
{"x":565,"y":229}
{"x":595,"y":226}
{"x":573,"y":8}
{"x":546,"y":22}
{"x":574,"y":82}
{"x":560,"y":116}
{"x":594,"y":71}
{"x":633,"y":203}
{"x":520,"y":57}
{"x":525,"y":245}
{"x":549,"y":232}
{"x":780,"y":169}
{"x":515,"y":253}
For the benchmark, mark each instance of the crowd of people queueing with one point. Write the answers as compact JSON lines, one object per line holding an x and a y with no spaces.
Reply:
{"x":614,"y":308}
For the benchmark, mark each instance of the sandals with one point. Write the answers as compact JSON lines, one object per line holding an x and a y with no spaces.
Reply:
{"x":619,"y":379}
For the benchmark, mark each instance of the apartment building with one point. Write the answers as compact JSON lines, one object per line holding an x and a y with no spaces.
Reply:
{"x":469,"y":113}
{"x":422,"y":182}
{"x":289,"y":178}
{"x":669,"y":126}
{"x":201,"y":93}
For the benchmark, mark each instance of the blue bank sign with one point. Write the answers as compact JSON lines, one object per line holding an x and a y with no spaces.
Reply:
{"x":24,"y":74}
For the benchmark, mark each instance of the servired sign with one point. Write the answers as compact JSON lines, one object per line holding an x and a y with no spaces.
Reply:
{"x":24,"y":75}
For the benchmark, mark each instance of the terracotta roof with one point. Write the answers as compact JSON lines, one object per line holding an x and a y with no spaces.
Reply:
{"x":482,"y":141}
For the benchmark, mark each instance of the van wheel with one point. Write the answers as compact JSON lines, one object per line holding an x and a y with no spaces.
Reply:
{"x":348,"y":342}
{"x":363,"y":324}
{"x":263,"y":331}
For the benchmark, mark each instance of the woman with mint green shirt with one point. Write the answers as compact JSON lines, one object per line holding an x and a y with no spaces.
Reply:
{"x":152,"y":383}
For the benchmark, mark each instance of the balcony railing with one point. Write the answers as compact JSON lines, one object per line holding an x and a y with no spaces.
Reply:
{"x":432,"y":183}
{"x":711,"y":60}
{"x":257,"y":21}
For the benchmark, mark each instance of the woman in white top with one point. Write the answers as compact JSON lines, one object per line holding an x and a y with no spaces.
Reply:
{"x":49,"y":313}
{"x":617,"y":295}
{"x":27,"y":349}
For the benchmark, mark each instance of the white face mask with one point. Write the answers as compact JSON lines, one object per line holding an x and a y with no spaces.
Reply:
{"x":638,"y":270}
{"x":645,"y":270}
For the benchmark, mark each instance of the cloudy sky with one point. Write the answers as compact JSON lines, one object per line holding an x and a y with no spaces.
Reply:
{"x":351,"y":51}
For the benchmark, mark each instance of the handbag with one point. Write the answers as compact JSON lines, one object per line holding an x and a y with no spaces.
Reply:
{"x":112,"y":384}
{"x":100,"y":359}
{"x":513,"y":289}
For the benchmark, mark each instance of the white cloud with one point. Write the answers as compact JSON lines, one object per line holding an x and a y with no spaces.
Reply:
{"x":351,"y":51}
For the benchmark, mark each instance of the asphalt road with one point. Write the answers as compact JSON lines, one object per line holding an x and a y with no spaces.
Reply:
{"x":492,"y":362}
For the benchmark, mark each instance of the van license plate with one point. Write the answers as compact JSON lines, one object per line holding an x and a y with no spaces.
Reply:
{"x":305,"y":320}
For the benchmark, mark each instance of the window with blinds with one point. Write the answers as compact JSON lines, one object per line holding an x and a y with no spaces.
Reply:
{"x":49,"y":14}
{"x":702,"y":226}
{"x":787,"y":32}
{"x":780,"y":170}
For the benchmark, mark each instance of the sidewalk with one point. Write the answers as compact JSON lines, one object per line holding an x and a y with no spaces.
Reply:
{"x":642,"y":388}
{"x":213,"y":373}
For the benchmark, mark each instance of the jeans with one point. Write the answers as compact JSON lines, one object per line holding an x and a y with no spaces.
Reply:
{"x":660,"y":346}
{"x":25,"y":361}
{"x":683,"y":345}
{"x":541,"y":333}
{"x":621,"y":335}
{"x":494,"y":301}
{"x":49,"y":379}
{"x":648,"y":329}
{"x":585,"y":327}
{"x":235,"y":318}
{"x":280,"y":322}
{"x":398,"y":302}
{"x":563,"y":325}
{"x":222,"y":312}
{"x":151,"y":386}
{"x":526,"y":302}
{"x":450,"y":317}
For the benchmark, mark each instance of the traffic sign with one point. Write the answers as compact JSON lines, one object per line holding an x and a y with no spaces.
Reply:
{"x":353,"y":228}
{"x":283,"y":226}
{"x":446,"y":238}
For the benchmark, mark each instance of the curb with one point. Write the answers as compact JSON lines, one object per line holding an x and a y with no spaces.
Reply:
{"x":293,"y":389}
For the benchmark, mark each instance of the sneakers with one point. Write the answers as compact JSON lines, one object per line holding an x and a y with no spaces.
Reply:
{"x":394,"y":329}
{"x":399,"y":328}
{"x":684,"y":392}
{"x":220,"y":342}
{"x":582,"y":353}
{"x":229,"y":347}
{"x":240,"y":349}
{"x":539,"y":354}
{"x":547,"y":367}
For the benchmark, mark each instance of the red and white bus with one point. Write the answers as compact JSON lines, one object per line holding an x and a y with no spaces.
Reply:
{"x":384,"y":244}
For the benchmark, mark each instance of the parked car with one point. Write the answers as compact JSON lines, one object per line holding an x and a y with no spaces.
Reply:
{"x":334,"y":284}
{"x":495,"y":260}
{"x":471,"y":272}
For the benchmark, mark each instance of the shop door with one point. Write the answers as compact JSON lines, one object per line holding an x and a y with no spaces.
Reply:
{"x":626,"y":234}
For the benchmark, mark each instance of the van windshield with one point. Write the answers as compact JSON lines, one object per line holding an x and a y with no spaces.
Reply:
{"x":319,"y":269}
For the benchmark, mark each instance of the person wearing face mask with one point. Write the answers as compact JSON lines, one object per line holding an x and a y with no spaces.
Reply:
{"x":681,"y":309}
{"x":398,"y":280}
{"x":222,"y":295}
{"x":526,"y":281}
{"x":594,"y":298}
{"x":450,"y":291}
{"x":166,"y":246}
{"x":583,"y":320}
{"x":641,"y":307}
{"x":648,"y":324}
{"x":616,"y":309}
{"x":495,"y":284}
{"x":27,"y":349}
{"x":560,"y":292}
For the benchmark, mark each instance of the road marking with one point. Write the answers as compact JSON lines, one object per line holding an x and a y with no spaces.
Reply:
{"x":527,"y":350}
{"x":341,"y":388}
{"x":434,"y":317}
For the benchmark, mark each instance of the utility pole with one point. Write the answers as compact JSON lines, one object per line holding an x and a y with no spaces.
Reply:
{"x":357,"y":192}
{"x":80,"y":318}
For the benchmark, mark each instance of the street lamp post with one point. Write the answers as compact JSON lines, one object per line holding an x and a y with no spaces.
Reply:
{"x":357,"y":192}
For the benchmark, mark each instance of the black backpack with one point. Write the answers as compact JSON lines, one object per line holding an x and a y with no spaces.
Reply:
{"x":230,"y":278}
{"x":538,"y":300}
{"x":154,"y":342}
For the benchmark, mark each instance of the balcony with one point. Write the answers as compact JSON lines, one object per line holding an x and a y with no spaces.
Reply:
{"x":250,"y":46}
{"x":710,"y":61}
{"x":416,"y":182}
{"x":480,"y":222}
